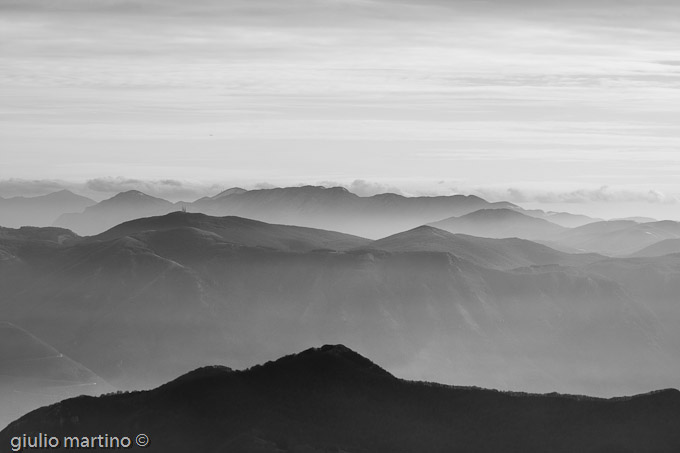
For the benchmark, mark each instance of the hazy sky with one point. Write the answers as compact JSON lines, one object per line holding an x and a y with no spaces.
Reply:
{"x":558,"y":102}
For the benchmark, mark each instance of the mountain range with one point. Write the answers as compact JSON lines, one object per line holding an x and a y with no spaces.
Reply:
{"x":41,"y":210}
{"x":457,"y":290}
{"x":331,"y":399}
{"x":332,"y":208}
{"x":156,"y":297}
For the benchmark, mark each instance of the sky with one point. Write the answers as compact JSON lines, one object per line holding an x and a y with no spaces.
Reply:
{"x":562,"y":105}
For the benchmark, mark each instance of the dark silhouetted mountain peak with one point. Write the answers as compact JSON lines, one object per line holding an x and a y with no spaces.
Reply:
{"x":206,"y":372}
{"x":333,"y":399}
{"x":335,"y":361}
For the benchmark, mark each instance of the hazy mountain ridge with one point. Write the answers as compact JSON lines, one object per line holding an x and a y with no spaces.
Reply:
{"x":119,"y":208}
{"x":338,"y":209}
{"x":202,"y":299}
{"x":565,"y":219}
{"x":500,"y":223}
{"x":493,"y":253}
{"x":333,"y":208}
{"x":240,"y":231}
{"x":661,"y":248}
{"x":41,"y":210}
{"x":331,"y":399}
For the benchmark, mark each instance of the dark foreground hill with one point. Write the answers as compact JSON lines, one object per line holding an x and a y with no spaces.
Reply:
{"x":332,"y":399}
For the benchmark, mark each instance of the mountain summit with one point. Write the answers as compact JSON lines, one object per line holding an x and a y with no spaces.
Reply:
{"x":500,"y":223}
{"x":331,"y":399}
{"x":112,"y":211}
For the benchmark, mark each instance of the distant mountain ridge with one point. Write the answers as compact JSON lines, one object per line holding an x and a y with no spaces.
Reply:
{"x":240,"y":231}
{"x":500,"y":223}
{"x":331,"y":399}
{"x":112,"y":211}
{"x":333,"y":208}
{"x":40,"y":210}
{"x":493,"y":253}
{"x":336,"y":208}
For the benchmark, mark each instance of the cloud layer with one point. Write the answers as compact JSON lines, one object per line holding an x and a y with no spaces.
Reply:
{"x":511,"y":94}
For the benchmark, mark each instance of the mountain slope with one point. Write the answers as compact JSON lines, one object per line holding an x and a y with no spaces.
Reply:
{"x":34,"y":374}
{"x":332,"y":399}
{"x":565,"y":219}
{"x":500,"y":223}
{"x":41,"y":210}
{"x":240,"y":231}
{"x":491,"y":253}
{"x":664,"y":247}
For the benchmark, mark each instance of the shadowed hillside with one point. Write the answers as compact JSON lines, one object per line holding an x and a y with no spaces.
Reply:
{"x":332,"y":399}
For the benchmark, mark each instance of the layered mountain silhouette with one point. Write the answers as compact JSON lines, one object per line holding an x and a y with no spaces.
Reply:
{"x":41,"y":210}
{"x":500,"y":223}
{"x":119,"y":208}
{"x":33,"y":374}
{"x":157,"y":297}
{"x":331,"y":399}
{"x":333,"y":208}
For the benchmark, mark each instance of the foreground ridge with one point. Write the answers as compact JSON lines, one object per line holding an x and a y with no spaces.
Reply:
{"x":332,"y":399}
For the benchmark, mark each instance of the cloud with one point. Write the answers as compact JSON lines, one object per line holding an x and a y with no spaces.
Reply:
{"x":364,"y":188}
{"x":171,"y":189}
{"x":15,"y":187}
{"x":263,"y":185}
{"x":603,"y":194}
